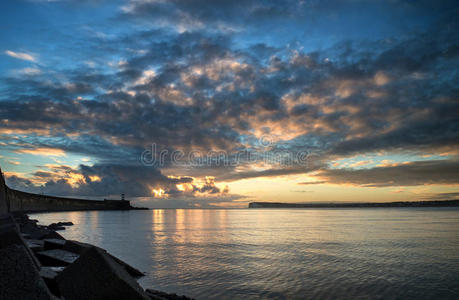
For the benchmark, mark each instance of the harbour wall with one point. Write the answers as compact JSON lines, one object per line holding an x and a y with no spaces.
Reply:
{"x":17,"y":201}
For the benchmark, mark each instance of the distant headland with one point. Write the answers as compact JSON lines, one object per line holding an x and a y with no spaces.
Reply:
{"x":446,"y":203}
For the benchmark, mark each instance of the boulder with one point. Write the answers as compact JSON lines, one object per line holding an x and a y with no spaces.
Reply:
{"x":95,"y":275}
{"x":26,"y":236}
{"x":22,"y":217}
{"x":19,"y":277}
{"x":51,"y":234}
{"x":9,"y":235}
{"x":54,"y":226}
{"x":52,"y":269}
{"x":48,"y":273}
{"x":49,"y":277}
{"x":79,"y":248}
{"x":50,"y":244}
{"x":7,"y":221}
{"x":56,"y":257}
{"x":35,"y":245}
{"x":76,"y":247}
{"x":33,"y":231}
{"x":65,"y":223}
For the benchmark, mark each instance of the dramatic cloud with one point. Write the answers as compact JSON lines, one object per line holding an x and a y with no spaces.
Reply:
{"x":407,"y":174}
{"x":290,"y":80}
{"x":112,"y":180}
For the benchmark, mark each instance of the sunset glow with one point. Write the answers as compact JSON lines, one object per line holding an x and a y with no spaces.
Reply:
{"x":296,"y":101}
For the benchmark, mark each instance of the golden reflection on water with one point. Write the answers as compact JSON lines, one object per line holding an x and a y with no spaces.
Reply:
{"x":179,"y":237}
{"x":74,"y":217}
{"x":158,"y":223}
{"x":88,"y":223}
{"x":281,"y":253}
{"x":94,"y":220}
{"x":189,"y":226}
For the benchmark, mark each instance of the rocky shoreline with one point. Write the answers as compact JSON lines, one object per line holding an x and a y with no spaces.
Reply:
{"x":38,"y":263}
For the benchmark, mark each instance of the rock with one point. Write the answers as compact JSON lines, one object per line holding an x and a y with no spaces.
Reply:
{"x":7,"y":221}
{"x":33,"y":231}
{"x":19,"y":277}
{"x":51,"y":234}
{"x":54,"y":226}
{"x":20,"y":217}
{"x":49,"y":277}
{"x":35,"y":245}
{"x":95,"y":275}
{"x":131,"y":270}
{"x":65,"y":223}
{"x":47,"y":272}
{"x":53,"y":269}
{"x":50,"y":244}
{"x":158,"y":295}
{"x":79,"y":248}
{"x":9,"y":235}
{"x":57,"y":257}
{"x":76,"y":247}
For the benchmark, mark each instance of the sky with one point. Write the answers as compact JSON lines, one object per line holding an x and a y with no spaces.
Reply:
{"x":204,"y":103}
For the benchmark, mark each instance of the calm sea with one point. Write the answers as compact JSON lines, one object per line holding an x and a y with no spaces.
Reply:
{"x":282,"y":253}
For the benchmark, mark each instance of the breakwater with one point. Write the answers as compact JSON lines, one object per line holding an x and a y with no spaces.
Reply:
{"x":17,"y":201}
{"x":36,"y":262}
{"x":28,"y":202}
{"x":3,"y":196}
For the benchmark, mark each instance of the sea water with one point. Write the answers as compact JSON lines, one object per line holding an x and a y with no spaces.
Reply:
{"x":282,"y":253}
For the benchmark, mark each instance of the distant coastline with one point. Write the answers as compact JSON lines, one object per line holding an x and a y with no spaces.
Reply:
{"x":445,"y":203}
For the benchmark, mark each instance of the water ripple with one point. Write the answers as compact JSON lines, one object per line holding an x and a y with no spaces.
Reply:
{"x":283,"y":254}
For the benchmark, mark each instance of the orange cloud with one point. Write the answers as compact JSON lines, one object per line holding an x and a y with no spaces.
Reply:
{"x":23,"y":131}
{"x":75,"y":179}
{"x":158,"y":193}
{"x":95,"y":178}
{"x":43,"y":151}
{"x":381,"y":78}
{"x":361,"y":163}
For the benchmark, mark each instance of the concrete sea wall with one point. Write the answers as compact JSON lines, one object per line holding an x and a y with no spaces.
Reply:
{"x":36,"y":262}
{"x":3,"y":195}
{"x":27,"y":202}
{"x":17,"y":201}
